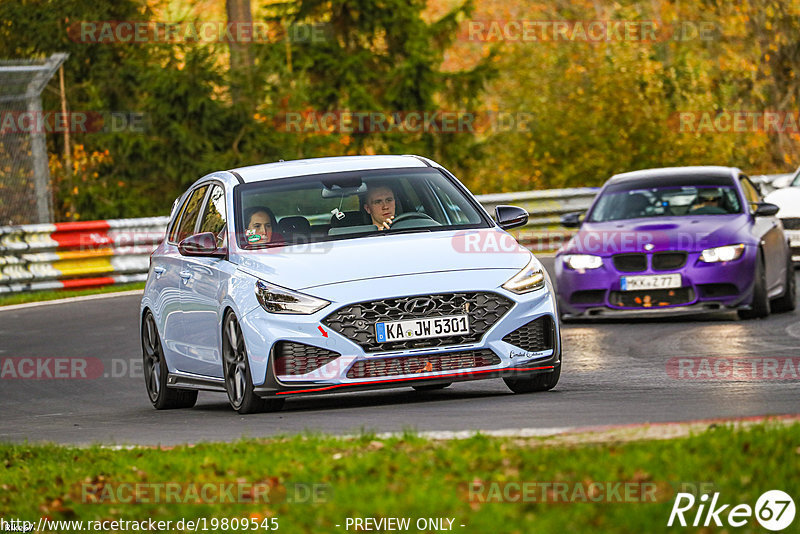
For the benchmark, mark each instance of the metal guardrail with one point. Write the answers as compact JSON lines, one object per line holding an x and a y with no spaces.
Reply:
{"x":96,"y":253}
{"x":80,"y":254}
{"x":543,"y":233}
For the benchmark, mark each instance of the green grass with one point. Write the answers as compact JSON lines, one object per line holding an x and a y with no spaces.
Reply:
{"x":407,"y":476}
{"x":39,"y":296}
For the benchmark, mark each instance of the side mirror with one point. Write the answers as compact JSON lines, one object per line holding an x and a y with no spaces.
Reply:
{"x":204,"y":244}
{"x":765,"y":209}
{"x":510,"y":217}
{"x":572,"y":220}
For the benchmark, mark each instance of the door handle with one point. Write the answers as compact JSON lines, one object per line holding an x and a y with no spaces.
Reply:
{"x":159,"y":270}
{"x":186,"y":275}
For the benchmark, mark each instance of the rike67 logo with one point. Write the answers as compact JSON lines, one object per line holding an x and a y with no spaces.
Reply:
{"x":774,"y":511}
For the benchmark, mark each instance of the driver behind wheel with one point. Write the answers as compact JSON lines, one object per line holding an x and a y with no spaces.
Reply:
{"x":380,"y":205}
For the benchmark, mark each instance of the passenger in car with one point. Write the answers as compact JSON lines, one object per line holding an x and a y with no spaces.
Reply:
{"x":259,"y":225}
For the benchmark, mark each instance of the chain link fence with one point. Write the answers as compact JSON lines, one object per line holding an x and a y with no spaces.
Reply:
{"x":25,"y":189}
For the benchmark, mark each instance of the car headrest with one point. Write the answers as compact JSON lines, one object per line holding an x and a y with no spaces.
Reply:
{"x":294,"y":227}
{"x":637,"y":202}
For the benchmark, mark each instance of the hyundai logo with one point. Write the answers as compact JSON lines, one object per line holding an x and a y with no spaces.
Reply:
{"x":419,"y":306}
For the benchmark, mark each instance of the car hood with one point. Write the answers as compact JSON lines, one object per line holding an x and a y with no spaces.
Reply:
{"x":689,"y":233}
{"x":386,"y":255}
{"x":788,"y":200}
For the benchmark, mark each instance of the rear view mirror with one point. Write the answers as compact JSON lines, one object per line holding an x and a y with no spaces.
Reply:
{"x":765,"y":209}
{"x":510,"y":217}
{"x":204,"y":244}
{"x":572,"y":220}
{"x":343,"y":187}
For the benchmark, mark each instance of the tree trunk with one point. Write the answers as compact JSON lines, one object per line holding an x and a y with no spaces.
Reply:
{"x":241,"y":17}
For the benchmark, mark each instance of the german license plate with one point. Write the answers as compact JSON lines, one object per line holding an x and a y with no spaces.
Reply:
{"x":453,"y":325}
{"x":657,"y":281}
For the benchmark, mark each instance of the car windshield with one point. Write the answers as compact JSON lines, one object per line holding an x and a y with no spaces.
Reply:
{"x":666,"y":201}
{"x":796,"y":182}
{"x":325,"y":207}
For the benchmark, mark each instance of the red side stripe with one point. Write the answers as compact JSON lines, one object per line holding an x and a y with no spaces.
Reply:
{"x":350,"y":384}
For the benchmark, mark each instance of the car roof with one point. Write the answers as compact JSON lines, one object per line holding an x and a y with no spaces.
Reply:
{"x":674,"y":172}
{"x":304,"y":167}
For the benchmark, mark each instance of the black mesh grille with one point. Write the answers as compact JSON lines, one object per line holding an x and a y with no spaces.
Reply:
{"x":791,"y":223}
{"x":535,"y":336}
{"x":357,"y":321}
{"x":717,"y":290}
{"x":654,"y":298}
{"x":630,"y":263}
{"x":589,"y":296}
{"x":298,"y":359}
{"x":668,"y":261}
{"x":405,"y":365}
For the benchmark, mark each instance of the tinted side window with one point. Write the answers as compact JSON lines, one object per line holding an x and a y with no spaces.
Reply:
{"x":214,"y":217}
{"x":455,"y":206}
{"x":173,"y":233}
{"x":750,"y":192}
{"x":190,"y":212}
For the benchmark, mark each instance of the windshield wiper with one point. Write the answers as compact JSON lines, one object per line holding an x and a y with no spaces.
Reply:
{"x":398,"y":232}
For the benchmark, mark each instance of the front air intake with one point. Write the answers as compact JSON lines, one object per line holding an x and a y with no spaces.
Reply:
{"x":535,"y":336}
{"x":298,"y":359}
{"x":429,"y":363}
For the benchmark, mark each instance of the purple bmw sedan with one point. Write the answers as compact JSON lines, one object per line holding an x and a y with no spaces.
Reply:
{"x":671,"y":241}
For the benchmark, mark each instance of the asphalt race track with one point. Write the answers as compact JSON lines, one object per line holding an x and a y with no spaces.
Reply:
{"x":614,"y":373}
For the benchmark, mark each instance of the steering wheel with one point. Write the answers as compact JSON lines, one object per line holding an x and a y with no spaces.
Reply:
{"x":411,"y":215}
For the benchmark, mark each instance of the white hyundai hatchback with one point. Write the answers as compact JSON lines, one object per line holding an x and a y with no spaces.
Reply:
{"x":337,"y":274}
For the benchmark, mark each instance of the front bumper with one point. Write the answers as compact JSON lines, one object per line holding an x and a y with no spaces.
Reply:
{"x":264,"y":331}
{"x":272,"y":387}
{"x":675,"y":311}
{"x":705,"y":288}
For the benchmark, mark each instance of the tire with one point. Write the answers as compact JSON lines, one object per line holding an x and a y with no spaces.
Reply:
{"x":236,"y":371}
{"x":759,"y":308}
{"x":560,"y":307}
{"x":432,"y":387}
{"x":531,"y":384}
{"x":788,"y":302}
{"x":155,"y":371}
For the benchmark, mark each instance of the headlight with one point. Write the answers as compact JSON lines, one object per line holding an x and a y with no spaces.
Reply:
{"x":276,"y":299}
{"x":530,"y":278}
{"x":728,"y":253}
{"x":582,"y":262}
